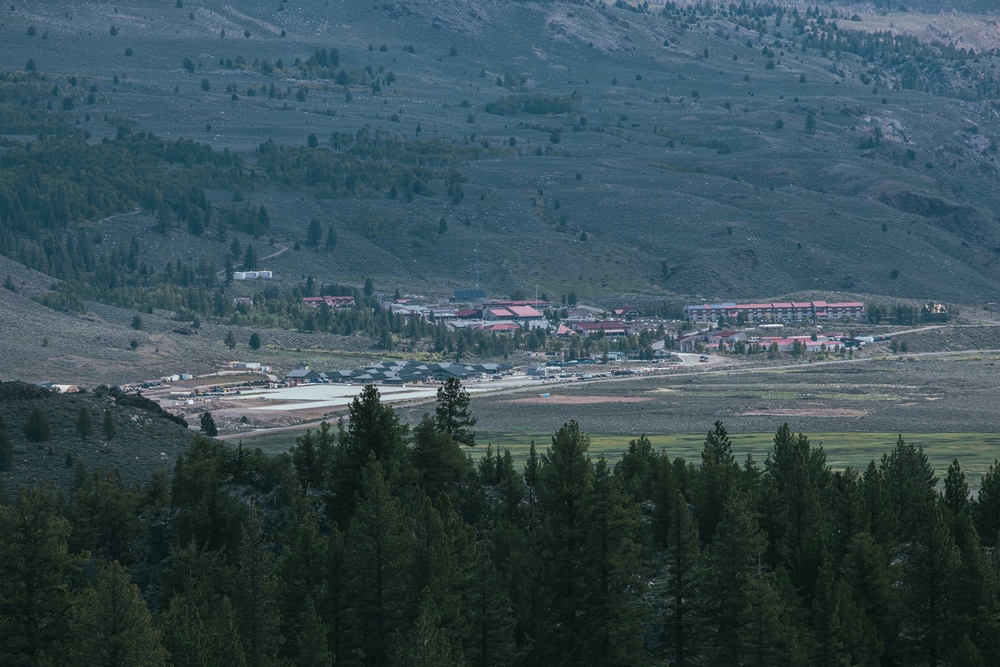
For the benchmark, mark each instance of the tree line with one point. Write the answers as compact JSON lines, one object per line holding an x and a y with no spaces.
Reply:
{"x":373,"y":544}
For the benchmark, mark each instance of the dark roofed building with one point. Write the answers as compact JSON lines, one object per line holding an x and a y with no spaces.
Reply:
{"x":301,"y":375}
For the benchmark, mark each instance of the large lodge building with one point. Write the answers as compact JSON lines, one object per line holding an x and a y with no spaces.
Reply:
{"x":776,"y":312}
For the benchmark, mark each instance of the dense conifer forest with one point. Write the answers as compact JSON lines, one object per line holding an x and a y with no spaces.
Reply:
{"x":373,"y":544}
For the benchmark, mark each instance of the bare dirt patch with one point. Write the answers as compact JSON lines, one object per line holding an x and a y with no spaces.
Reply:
{"x":581,"y":400}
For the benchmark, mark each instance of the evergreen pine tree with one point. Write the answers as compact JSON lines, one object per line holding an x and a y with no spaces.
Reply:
{"x":250,"y":257}
{"x":208,"y":426}
{"x":666,"y":495}
{"x":767,"y":631}
{"x":452,"y":412}
{"x":680,"y":585}
{"x":36,"y":426}
{"x":847,"y":511}
{"x":966,"y":655}
{"x":378,"y":560}
{"x":928,"y":590}
{"x":438,"y":459}
{"x":489,"y":625}
{"x":883,"y":521}
{"x":84,"y":424}
{"x":105,"y":517}
{"x":333,"y":604}
{"x":531,"y":478}
{"x":443,"y":557}
{"x":521,"y":572}
{"x":826,"y":622}
{"x":565,"y":481}
{"x":714,"y":480}
{"x":6,"y":451}
{"x":794,"y":517}
{"x":301,"y":568}
{"x":209,"y":515}
{"x":35,"y":570}
{"x":427,"y":644}
{"x":307,"y":461}
{"x":637,"y":469}
{"x":910,"y":484}
{"x":866,"y":568}
{"x":111,"y":626}
{"x":614,"y":612}
{"x":510,"y":488}
{"x":373,"y":431}
{"x":308,"y":637}
{"x":976,"y":590}
{"x":956,"y":490}
{"x":986,"y":509}
{"x":732,"y":559}
{"x":202,"y":631}
{"x":255,"y":595}
{"x":108,"y":425}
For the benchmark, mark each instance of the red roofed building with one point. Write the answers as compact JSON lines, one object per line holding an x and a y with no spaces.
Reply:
{"x":494,"y":313}
{"x":626,"y":312}
{"x":525,"y":312}
{"x":501,"y":327}
{"x":853,"y":310}
{"x":609,"y":328}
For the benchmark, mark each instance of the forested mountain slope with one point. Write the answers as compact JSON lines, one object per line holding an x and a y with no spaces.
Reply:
{"x":713,"y":151}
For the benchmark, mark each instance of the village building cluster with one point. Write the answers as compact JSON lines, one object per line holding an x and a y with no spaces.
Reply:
{"x":734,"y":341}
{"x":396,"y":372}
{"x":776,"y":312}
{"x":471,"y":309}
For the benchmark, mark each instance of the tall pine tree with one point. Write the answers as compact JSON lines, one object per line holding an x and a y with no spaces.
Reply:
{"x":681,"y":584}
{"x":35,"y":570}
{"x":378,"y":570}
{"x":111,"y":626}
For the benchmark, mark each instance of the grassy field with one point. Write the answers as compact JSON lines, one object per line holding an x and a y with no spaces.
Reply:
{"x":975,"y":451}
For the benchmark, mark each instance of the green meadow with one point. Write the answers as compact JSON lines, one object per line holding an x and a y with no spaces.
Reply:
{"x":975,"y":451}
